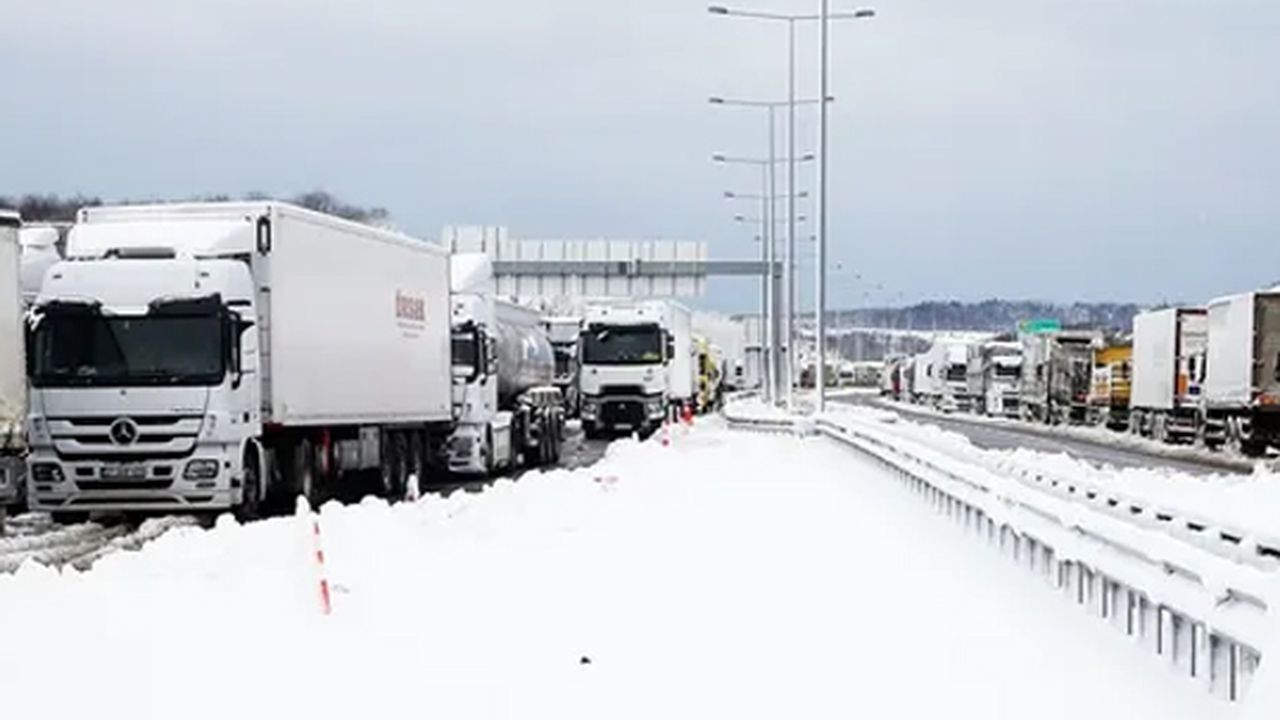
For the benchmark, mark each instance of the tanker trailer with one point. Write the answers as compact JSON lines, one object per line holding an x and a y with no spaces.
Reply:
{"x":508,"y":411}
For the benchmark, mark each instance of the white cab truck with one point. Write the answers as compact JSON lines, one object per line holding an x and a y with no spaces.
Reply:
{"x":995,"y":373}
{"x":508,"y":411}
{"x":13,"y":381}
{"x":636,"y":363}
{"x":565,"y":331}
{"x":213,"y":356}
{"x":946,"y":376}
{"x":1242,"y":383}
{"x":1169,"y":347}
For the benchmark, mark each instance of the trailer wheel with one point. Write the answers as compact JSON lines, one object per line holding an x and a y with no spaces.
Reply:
{"x":394,"y":473}
{"x":304,"y":471}
{"x":250,"y":507}
{"x":417,"y":464}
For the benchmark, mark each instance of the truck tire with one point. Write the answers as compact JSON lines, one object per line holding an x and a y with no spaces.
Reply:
{"x":305,"y":480}
{"x":395,"y":466}
{"x":250,"y":507}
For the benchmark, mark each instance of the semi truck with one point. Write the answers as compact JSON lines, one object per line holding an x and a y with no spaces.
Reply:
{"x":508,"y":411}
{"x":994,"y":373}
{"x":1242,"y":380}
{"x":636,"y":365}
{"x":1169,"y":352}
{"x":1057,"y":368}
{"x":564,"y":332}
{"x":207,"y":357}
{"x":946,"y":376}
{"x":13,"y":382}
{"x":1110,"y":384}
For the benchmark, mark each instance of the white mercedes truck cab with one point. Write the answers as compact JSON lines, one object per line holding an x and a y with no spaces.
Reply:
{"x":217,"y":356}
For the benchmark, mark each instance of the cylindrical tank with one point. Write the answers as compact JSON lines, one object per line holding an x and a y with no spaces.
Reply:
{"x":525,"y":358}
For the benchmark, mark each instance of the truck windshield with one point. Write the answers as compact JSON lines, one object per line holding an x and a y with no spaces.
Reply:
{"x":1008,"y":370}
{"x":622,"y":345}
{"x":85,"y":348}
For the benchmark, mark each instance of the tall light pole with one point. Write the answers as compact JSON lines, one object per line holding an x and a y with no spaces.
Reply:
{"x":770,"y":297}
{"x":791,"y":19}
{"x":820,"y":281}
{"x":786,"y":367}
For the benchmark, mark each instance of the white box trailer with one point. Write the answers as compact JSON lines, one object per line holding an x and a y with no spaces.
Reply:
{"x":13,"y":379}
{"x":1169,"y":348}
{"x":261,"y":347}
{"x":1242,"y":379}
{"x":682,"y":369}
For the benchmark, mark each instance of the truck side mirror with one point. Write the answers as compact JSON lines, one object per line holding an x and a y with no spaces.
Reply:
{"x":671,"y":346}
{"x":236,"y":327}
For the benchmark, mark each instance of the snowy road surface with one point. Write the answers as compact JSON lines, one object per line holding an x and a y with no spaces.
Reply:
{"x":729,"y":575}
{"x":1009,"y":436}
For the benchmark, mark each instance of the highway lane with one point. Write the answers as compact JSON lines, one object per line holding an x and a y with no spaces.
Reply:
{"x":1011,"y":436}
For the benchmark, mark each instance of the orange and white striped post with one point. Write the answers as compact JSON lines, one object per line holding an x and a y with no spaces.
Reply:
{"x":317,"y":551}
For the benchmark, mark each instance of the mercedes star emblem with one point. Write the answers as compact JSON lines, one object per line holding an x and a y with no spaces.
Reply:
{"x":124,"y":432}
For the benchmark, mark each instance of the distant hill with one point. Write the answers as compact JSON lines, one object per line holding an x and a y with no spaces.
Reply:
{"x":992,"y":315}
{"x":996,"y":316}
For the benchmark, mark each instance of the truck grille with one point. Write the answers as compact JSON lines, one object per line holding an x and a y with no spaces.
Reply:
{"x":622,"y":412}
{"x":622,"y":390}
{"x":124,"y":437}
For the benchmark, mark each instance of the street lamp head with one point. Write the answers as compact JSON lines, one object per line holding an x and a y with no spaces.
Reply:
{"x":716,"y":100}
{"x":729,"y":194}
{"x":718,"y":10}
{"x":717,"y":158}
{"x":864,"y":13}
{"x":807,"y":157}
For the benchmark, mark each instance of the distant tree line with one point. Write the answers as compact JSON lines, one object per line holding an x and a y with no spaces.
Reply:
{"x":55,"y":208}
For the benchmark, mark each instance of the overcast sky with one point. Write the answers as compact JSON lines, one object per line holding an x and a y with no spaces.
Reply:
{"x":1105,"y":149}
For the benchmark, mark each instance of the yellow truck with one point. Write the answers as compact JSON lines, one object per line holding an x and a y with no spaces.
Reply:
{"x":1109,"y":391}
{"x":710,"y":375}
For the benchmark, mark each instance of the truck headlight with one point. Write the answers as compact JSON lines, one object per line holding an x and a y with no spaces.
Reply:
{"x":653,"y":406}
{"x":201,"y":470}
{"x":589,"y":408}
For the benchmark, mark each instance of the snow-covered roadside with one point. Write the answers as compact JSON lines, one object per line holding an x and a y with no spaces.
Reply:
{"x":1245,"y":504}
{"x":728,"y":575}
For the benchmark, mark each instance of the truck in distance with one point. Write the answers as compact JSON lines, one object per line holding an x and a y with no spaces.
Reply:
{"x":1242,"y":379}
{"x":1110,"y":384}
{"x":13,"y":381}
{"x":565,"y":331}
{"x":1169,"y":347}
{"x":215,"y":356}
{"x":1057,"y":368}
{"x":995,"y":370}
{"x":630,"y":359}
{"x":508,"y":411}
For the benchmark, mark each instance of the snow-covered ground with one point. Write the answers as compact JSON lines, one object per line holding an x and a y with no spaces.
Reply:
{"x":728,"y":575}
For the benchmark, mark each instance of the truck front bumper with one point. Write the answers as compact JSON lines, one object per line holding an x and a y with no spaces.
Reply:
{"x":208,"y":480}
{"x":464,"y":453}
{"x":623,"y":412}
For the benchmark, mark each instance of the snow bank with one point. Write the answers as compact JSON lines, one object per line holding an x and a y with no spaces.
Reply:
{"x":1247,"y":504}
{"x":728,"y":575}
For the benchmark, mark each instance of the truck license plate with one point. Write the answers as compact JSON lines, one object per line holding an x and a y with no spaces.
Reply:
{"x":124,"y":472}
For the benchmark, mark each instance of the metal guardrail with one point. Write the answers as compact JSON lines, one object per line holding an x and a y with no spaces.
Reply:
{"x":1200,"y":610}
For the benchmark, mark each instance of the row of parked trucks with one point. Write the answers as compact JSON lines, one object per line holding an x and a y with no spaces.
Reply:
{"x":1206,"y":375}
{"x":230,"y":356}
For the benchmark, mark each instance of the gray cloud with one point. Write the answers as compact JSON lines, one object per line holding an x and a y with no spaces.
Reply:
{"x":1106,"y":149}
